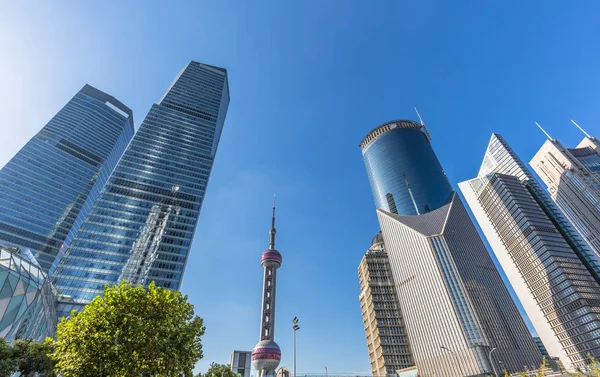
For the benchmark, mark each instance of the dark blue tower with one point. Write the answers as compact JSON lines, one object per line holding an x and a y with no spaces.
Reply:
{"x":405,"y":175}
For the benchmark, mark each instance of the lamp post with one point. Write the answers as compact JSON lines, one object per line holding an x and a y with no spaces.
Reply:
{"x":456,"y":356}
{"x":492,"y":362}
{"x":296,"y":328}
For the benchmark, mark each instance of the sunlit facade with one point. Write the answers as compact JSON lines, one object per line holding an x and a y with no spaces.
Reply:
{"x":389,"y":349}
{"x":49,"y":186}
{"x":544,"y":261}
{"x":572,"y":176}
{"x":141,"y":227}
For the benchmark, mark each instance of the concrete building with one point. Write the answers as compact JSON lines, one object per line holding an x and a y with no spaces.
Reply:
{"x":240,"y":362}
{"x":540,"y":345}
{"x":572,"y":176}
{"x":387,"y":341}
{"x":544,"y":261}
{"x":27,"y":298}
{"x":141,"y":227}
{"x":266,"y":355}
{"x":455,"y":306}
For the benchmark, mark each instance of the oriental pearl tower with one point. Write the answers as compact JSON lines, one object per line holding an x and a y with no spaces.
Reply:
{"x":267,"y":355}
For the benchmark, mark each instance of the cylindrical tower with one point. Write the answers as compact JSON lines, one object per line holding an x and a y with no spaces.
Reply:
{"x":267,"y":355}
{"x":405,"y":175}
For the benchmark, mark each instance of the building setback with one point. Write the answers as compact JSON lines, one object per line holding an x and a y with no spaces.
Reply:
{"x":572,"y":176}
{"x":550,"y":270}
{"x":49,"y":186}
{"x":455,"y":306}
{"x":141,"y":226}
{"x":388,"y":345}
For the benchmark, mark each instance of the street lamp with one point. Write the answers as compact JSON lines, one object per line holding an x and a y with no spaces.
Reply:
{"x":492,"y":362}
{"x":296,"y":328}
{"x":456,"y":356}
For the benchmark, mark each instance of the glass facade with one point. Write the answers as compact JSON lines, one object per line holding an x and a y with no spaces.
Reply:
{"x":405,"y":175}
{"x":27,"y":298}
{"x":49,"y":186}
{"x":141,"y":226}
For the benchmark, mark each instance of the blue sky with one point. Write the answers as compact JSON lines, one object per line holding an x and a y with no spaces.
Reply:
{"x":308,"y":80}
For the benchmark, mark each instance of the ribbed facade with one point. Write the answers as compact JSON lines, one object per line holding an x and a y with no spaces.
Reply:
{"x":560,"y":295}
{"x":388,"y":345}
{"x":50,"y":185}
{"x":572,"y":176}
{"x":455,"y":305}
{"x":141,"y":226}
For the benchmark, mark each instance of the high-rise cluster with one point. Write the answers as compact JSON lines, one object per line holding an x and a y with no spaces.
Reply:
{"x":87,"y":203}
{"x":454,"y":305}
{"x":552,"y":270}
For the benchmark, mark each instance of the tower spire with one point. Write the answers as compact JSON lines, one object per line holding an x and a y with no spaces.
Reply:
{"x":581,"y":129}
{"x":272,"y":231}
{"x":427,"y":135}
{"x":544,"y":131}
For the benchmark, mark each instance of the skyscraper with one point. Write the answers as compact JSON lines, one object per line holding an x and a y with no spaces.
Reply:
{"x":541,"y":256}
{"x":454,"y":303}
{"x":266,"y":355}
{"x":387,"y":342}
{"x":141,"y":226}
{"x":49,"y":186}
{"x":240,"y":362}
{"x":572,"y":176}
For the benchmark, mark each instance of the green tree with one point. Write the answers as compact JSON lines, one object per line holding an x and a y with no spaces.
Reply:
{"x":130,"y":332}
{"x":218,"y":370}
{"x":34,"y":358}
{"x":8,"y":363}
{"x":506,"y":374}
{"x":593,"y":366}
{"x":541,"y":372}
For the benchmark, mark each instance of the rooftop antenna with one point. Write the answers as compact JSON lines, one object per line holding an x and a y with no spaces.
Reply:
{"x":544,"y":131}
{"x":411,"y":194}
{"x":582,"y":130}
{"x":427,"y":135}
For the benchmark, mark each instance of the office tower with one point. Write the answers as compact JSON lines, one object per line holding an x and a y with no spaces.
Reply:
{"x":47,"y":188}
{"x":540,"y":345}
{"x":141,"y":226}
{"x":27,"y":298}
{"x":240,"y":362}
{"x":266,"y":355}
{"x":572,"y":176}
{"x":550,"y":270}
{"x":387,"y":342}
{"x":459,"y":316}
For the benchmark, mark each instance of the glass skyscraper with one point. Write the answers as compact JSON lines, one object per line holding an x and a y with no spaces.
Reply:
{"x":455,"y":306}
{"x":399,"y":184}
{"x":141,"y":226}
{"x":49,"y":186}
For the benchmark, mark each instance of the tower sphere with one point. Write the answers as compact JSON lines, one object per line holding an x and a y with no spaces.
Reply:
{"x":271,"y":258}
{"x":266,"y":356}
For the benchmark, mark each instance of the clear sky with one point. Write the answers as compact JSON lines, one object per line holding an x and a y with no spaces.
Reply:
{"x":308,"y":80}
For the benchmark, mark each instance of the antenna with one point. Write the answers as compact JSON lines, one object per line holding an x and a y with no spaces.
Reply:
{"x":411,"y":194}
{"x":272,"y":231}
{"x":544,"y":131}
{"x":581,"y":129}
{"x":427,"y":135}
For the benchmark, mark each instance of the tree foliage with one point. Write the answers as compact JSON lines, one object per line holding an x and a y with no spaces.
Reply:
{"x":218,"y":370}
{"x":8,"y":363}
{"x":130,"y":331}
{"x":34,"y":358}
{"x":27,"y":357}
